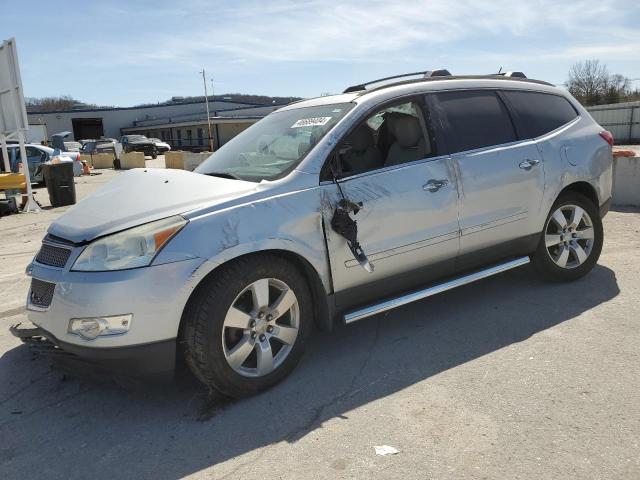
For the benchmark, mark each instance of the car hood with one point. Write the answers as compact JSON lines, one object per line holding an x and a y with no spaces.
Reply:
{"x":143,"y":195}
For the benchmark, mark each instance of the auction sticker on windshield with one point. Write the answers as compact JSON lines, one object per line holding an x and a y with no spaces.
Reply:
{"x":311,"y":122}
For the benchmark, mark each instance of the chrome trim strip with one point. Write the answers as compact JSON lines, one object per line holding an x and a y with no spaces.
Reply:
{"x":406,"y":248}
{"x":365,"y":312}
{"x":516,"y":217}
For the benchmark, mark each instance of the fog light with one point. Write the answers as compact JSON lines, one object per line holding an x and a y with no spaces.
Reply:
{"x":90,"y":328}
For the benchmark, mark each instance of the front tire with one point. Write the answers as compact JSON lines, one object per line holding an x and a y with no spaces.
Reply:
{"x":571,"y":241}
{"x":247,"y":326}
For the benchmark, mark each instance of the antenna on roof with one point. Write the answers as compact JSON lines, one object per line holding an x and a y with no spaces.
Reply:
{"x":500,"y":70}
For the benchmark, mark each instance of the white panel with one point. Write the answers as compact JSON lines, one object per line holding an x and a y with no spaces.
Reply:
{"x":13,"y":114}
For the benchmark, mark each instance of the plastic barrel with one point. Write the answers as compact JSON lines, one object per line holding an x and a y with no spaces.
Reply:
{"x":60,"y":183}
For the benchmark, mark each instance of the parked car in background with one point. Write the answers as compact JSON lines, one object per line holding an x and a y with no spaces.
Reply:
{"x":452,"y":179}
{"x":139,"y":143}
{"x":160,"y":145}
{"x":39,"y":154}
{"x":104,"y":145}
{"x":73,"y":146}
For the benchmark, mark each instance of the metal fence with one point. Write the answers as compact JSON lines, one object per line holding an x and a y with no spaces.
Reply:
{"x":621,"y":119}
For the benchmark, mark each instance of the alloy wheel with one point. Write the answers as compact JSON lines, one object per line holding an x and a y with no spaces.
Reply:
{"x":569,"y":236}
{"x":261,"y":327}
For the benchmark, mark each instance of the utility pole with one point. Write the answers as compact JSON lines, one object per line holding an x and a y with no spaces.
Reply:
{"x":206,"y":101}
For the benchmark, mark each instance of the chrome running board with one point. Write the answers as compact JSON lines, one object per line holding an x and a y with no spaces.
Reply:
{"x":365,"y":312}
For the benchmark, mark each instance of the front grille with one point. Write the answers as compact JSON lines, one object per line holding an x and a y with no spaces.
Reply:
{"x":41,"y":293}
{"x":53,"y":255}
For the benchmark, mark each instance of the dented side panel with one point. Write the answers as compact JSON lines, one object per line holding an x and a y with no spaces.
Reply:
{"x":290,"y":222}
{"x":402,"y":225}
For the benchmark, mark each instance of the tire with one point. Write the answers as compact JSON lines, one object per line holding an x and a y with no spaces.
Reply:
{"x":578,"y":246}
{"x":214,"y":350}
{"x":154,"y":154}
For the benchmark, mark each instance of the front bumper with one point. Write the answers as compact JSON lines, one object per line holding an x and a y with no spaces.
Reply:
{"x":155,"y":296}
{"x":157,"y":359}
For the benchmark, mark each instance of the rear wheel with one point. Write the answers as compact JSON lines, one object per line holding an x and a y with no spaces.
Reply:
{"x":572,"y":239}
{"x":247,"y":326}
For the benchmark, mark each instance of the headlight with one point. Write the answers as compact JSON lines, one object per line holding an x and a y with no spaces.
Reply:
{"x":131,"y":248}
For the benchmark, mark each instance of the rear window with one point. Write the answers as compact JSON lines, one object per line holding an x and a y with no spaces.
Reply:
{"x":539,"y":113}
{"x":474,"y":119}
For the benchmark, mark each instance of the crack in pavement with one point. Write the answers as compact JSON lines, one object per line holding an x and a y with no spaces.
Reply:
{"x":319,"y":410}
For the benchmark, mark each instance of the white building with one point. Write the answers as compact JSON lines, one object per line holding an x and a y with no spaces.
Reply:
{"x":183,"y":124}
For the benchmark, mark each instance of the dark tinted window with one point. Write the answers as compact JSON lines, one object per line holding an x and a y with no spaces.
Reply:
{"x":474,"y":119}
{"x":539,"y":113}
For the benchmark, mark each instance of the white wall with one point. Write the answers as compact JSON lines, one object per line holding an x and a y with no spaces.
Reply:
{"x":115,"y":119}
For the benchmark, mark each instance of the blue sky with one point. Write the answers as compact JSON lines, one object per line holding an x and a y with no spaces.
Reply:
{"x":128,"y":52}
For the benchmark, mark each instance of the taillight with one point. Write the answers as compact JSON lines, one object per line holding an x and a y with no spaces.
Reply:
{"x":607,"y":136}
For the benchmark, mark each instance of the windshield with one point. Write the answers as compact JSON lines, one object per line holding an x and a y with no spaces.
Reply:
{"x":274,"y":146}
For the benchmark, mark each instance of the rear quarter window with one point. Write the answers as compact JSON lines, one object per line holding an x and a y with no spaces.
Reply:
{"x":539,"y":113}
{"x":474,"y":119}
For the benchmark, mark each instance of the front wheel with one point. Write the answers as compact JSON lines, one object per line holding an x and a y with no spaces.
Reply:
{"x":247,"y":326}
{"x":572,"y":239}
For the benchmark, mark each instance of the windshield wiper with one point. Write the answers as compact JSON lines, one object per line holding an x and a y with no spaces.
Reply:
{"x":232,"y":176}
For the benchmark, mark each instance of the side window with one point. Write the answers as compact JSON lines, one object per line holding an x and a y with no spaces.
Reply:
{"x":474,"y":119}
{"x":539,"y":113}
{"x":34,"y":153}
{"x":391,"y":136}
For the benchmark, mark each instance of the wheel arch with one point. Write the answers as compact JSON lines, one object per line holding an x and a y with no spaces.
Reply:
{"x":584,"y":188}
{"x":322,"y":307}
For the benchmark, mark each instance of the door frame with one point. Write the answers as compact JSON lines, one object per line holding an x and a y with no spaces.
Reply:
{"x":427,"y":130}
{"x":361,"y":294}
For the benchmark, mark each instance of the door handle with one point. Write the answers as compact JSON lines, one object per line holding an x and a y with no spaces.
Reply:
{"x":435,"y":185}
{"x":528,"y":164}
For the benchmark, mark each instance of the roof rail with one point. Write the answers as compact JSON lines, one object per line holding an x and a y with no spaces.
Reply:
{"x":425,"y":74}
{"x":512,"y":74}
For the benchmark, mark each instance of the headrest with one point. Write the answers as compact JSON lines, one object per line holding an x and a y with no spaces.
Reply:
{"x":405,"y":128}
{"x":361,"y":138}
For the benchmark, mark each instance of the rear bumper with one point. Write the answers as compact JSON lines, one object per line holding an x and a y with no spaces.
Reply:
{"x":605,"y":207}
{"x":157,"y":359}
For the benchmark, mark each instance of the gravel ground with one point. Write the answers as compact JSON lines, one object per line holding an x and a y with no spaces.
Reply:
{"x":506,"y":378}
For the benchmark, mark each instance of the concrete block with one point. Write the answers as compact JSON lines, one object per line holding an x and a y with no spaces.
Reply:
{"x":132,"y":160}
{"x":100,"y":160}
{"x":192,"y":160}
{"x":174,"y":160}
{"x":626,"y":181}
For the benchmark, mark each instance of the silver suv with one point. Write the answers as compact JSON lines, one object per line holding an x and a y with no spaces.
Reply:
{"x":338,"y":207}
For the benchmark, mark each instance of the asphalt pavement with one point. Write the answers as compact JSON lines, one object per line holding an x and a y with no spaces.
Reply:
{"x":508,"y":378}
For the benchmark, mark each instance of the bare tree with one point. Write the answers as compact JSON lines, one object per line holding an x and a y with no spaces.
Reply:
{"x":617,"y":88}
{"x":592,"y":84}
{"x":587,"y":81}
{"x":52,"y":104}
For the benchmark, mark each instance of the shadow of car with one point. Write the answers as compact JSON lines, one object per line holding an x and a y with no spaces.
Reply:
{"x":356,"y":365}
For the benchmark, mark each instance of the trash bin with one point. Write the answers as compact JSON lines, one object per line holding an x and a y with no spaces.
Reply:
{"x":60,"y":185}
